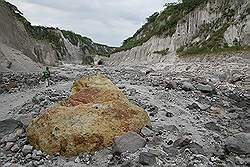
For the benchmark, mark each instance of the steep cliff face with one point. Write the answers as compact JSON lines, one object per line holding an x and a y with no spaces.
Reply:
{"x":43,"y":45}
{"x":14,"y":35}
{"x":205,"y":27}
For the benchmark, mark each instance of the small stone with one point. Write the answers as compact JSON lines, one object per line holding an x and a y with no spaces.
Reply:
{"x":30,"y":164}
{"x":7,"y":164}
{"x":147,"y":132}
{"x":48,"y":157}
{"x":170,"y":142}
{"x":233,"y":110}
{"x":2,"y":145}
{"x":127,"y":164}
{"x":187,"y":86}
{"x":246,"y":127}
{"x":212,"y":126}
{"x":213,"y":159}
{"x":204,"y":88}
{"x":152,"y":114}
{"x":36,"y":163}
{"x":239,"y":161}
{"x":198,"y":106}
{"x":147,"y":158}
{"x":35,"y":157}
{"x":171,"y":151}
{"x":193,"y":106}
{"x":9,"y":145}
{"x":181,"y":142}
{"x":10,"y":138}
{"x":15,"y":148}
{"x":28,"y":156}
{"x":38,"y":153}
{"x":169,"y":114}
{"x":77,"y":160}
{"x":27,"y":149}
{"x":195,"y":148}
{"x":19,"y":132}
{"x":171,"y":129}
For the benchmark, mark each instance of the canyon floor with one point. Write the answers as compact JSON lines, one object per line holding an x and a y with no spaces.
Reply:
{"x":200,"y":114}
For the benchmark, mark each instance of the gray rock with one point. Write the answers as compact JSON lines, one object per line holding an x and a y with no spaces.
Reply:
{"x":147,"y":132}
{"x":195,"y":148}
{"x":39,"y":153}
{"x":239,"y":161}
{"x":28,"y":156}
{"x":171,"y":129}
{"x":171,"y":85}
{"x":147,"y":158}
{"x":236,"y":78}
{"x":181,"y":142}
{"x":129,"y":142}
{"x":238,"y":143}
{"x":7,"y":164}
{"x":77,"y":160}
{"x":9,"y":145}
{"x":155,"y":141}
{"x":15,"y":148}
{"x":30,"y":164}
{"x":187,"y":86}
{"x":8,"y":126}
{"x":35,"y":157}
{"x":247,"y":161}
{"x":27,"y":149}
{"x":25,"y":118}
{"x":19,"y":132}
{"x":212,"y":126}
{"x":171,"y":151}
{"x":233,"y":110}
{"x":193,"y":106}
{"x":10,"y":138}
{"x":203,"y":107}
{"x":246,"y":127}
{"x":204,"y":88}
{"x":169,"y":114}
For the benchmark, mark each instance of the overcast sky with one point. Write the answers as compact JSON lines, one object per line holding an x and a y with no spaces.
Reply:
{"x":105,"y":21}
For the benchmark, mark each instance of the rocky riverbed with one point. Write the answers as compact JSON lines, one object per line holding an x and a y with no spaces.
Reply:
{"x":200,"y":117}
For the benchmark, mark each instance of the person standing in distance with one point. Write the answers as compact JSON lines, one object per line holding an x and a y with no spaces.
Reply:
{"x":46,"y":76}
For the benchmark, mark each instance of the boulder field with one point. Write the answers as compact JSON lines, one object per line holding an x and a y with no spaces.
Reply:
{"x":89,"y":120}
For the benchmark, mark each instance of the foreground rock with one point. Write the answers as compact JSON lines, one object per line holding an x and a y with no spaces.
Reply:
{"x":87,"y":121}
{"x":9,"y":126}
{"x":129,"y":142}
{"x":239,"y":143}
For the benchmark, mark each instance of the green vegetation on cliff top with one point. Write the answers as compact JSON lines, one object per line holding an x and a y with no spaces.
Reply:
{"x":161,"y":24}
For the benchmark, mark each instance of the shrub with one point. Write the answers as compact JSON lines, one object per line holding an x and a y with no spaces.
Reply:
{"x":162,"y":52}
{"x":205,"y":51}
{"x":87,"y":60}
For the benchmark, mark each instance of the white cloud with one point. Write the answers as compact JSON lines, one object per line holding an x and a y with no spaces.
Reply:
{"x":105,"y":21}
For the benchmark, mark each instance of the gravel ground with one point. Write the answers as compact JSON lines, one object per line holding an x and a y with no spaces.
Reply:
{"x":200,"y":116}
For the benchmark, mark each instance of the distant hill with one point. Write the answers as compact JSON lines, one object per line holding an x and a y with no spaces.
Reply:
{"x":44,"y":45}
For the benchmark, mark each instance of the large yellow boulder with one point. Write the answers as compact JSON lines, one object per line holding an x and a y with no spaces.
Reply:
{"x":95,"y":113}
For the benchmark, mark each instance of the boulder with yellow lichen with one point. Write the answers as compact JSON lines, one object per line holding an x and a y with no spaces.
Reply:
{"x":95,"y":113}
